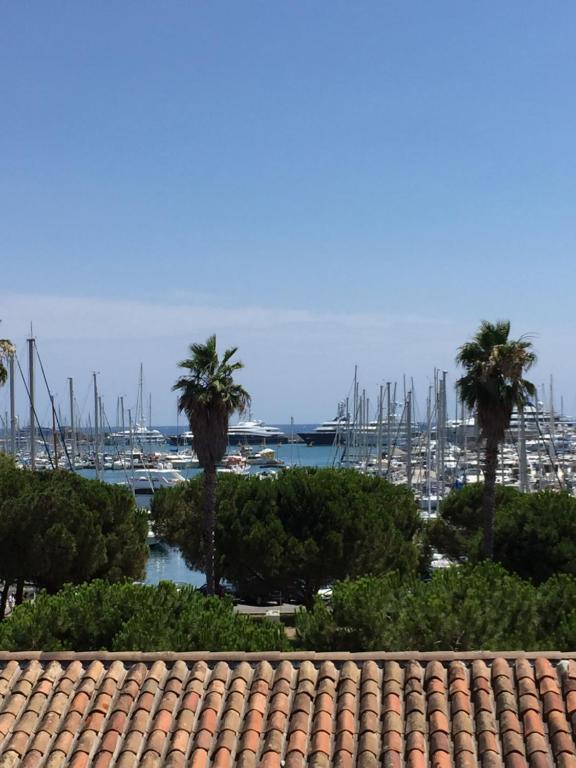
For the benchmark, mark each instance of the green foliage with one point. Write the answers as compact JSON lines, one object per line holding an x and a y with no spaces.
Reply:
{"x":462,"y":608}
{"x":208,"y":395}
{"x":308,"y":527}
{"x":457,"y":531}
{"x":7,"y":350}
{"x":121,"y":617}
{"x":57,"y":527}
{"x":557,"y":610}
{"x":534,"y":533}
{"x":493,"y":383}
{"x":536,"y":536}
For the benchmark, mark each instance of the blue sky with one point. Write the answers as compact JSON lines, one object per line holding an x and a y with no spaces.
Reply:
{"x":323,"y":184}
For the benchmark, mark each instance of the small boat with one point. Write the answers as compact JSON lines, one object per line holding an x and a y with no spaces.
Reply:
{"x":150,"y":480}
{"x":263,"y":458}
{"x":233,"y":463}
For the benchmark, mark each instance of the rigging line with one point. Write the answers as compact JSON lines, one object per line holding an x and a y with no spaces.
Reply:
{"x":34,"y":411}
{"x":116,"y":447}
{"x":57,"y":420}
{"x":547,"y":446}
{"x":395,"y":443}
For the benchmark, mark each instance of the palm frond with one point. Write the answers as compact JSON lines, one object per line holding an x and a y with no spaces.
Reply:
{"x":493,"y":384}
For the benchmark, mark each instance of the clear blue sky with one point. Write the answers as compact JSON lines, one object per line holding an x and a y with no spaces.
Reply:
{"x":322,"y":183}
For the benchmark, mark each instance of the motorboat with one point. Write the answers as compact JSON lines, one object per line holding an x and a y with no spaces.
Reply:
{"x":263,"y":458}
{"x":150,"y":480}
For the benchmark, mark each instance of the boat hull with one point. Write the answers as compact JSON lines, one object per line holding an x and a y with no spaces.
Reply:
{"x":322,"y":438}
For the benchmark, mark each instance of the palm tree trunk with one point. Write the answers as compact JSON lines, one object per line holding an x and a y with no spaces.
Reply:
{"x":489,"y":496}
{"x":19,"y":590}
{"x":4,"y":598}
{"x":209,"y":504}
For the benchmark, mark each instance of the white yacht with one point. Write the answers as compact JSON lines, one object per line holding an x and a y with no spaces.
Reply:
{"x":138,"y":435}
{"x":254,"y":432}
{"x":150,"y":480}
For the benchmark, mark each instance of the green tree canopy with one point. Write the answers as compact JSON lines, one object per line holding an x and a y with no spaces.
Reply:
{"x":57,"y":527}
{"x":534,"y":533}
{"x":125,"y":617}
{"x":466,"y":607}
{"x":304,"y":529}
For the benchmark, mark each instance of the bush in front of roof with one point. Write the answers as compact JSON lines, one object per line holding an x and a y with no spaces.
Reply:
{"x":468,"y":607}
{"x":299,"y":532}
{"x":126,"y":617}
{"x":534,"y":533}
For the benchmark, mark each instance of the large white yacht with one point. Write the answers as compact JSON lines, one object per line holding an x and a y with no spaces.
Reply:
{"x":254,"y":432}
{"x":139,"y":434}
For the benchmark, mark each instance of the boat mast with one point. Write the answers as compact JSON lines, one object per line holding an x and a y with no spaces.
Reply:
{"x":428,"y":447}
{"x":409,"y":439}
{"x":379,"y":440}
{"x":12,"y":406}
{"x":523,"y":475}
{"x":141,"y":394}
{"x":101,"y":416}
{"x":54,"y":433}
{"x":96,"y":436}
{"x":552,"y":425}
{"x":31,"y":395}
{"x":131,"y":442}
{"x":122,"y":418}
{"x":72,"y":424}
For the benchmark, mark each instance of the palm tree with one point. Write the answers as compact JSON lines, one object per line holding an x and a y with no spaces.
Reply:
{"x":6,"y":351}
{"x":493,"y":386}
{"x":209,"y":396}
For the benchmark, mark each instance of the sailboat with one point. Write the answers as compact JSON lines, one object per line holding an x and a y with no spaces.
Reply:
{"x":139,"y":433}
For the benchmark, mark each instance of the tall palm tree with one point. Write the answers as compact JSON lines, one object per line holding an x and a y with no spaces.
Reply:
{"x":493,"y":386}
{"x":209,"y":396}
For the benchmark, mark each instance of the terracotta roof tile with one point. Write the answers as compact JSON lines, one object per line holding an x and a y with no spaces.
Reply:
{"x":347,"y":711}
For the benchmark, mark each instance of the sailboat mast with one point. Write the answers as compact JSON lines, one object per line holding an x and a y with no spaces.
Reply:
{"x":32,"y":408}
{"x":552,"y":426}
{"x":72,"y":419}
{"x":122,"y":417}
{"x":141,"y":394}
{"x":12,"y":406}
{"x":409,"y":439}
{"x":96,"y":431}
{"x":428,"y":447}
{"x":54,"y":433}
{"x":379,"y":441}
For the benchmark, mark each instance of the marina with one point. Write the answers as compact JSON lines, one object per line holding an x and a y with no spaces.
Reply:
{"x":391,"y":435}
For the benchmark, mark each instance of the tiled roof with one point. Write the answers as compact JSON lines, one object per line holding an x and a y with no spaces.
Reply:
{"x":293,"y":710}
